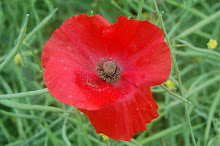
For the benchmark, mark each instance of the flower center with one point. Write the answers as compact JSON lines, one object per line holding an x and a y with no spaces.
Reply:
{"x":109,"y":67}
{"x":108,"y":70}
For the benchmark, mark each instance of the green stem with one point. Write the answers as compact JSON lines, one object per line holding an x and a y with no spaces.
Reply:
{"x":18,"y":45}
{"x":174,"y":94}
{"x":140,"y":9}
{"x":122,"y":10}
{"x":177,"y":73}
{"x":38,"y":27}
{"x":210,"y":116}
{"x":174,"y":130}
{"x":24,"y":94}
{"x":178,"y":45}
{"x":22,"y":106}
{"x":195,"y":54}
{"x":18,"y":115}
{"x":157,"y":91}
{"x":42,"y":132}
{"x":34,"y":55}
{"x":202,"y":86}
{"x":199,"y":25}
{"x":205,"y":52}
{"x":5,"y":131}
{"x":193,"y":11}
{"x":65,"y":138}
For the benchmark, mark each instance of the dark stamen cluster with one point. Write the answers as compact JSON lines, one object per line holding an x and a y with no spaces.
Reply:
{"x":108,"y":70}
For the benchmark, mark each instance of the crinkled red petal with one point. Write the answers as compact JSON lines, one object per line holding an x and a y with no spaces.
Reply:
{"x":71,"y":83}
{"x":126,"y":116}
{"x":79,"y":35}
{"x":69,"y":58}
{"x":140,"y":50}
{"x":117,"y":109}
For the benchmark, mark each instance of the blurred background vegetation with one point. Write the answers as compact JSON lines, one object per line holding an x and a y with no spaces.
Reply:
{"x":42,"y":120}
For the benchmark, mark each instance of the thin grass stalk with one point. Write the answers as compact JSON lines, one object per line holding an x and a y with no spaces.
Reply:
{"x":141,"y":4}
{"x":177,"y":73}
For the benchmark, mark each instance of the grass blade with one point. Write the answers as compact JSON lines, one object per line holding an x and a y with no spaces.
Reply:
{"x":38,"y":27}
{"x":24,"y":94}
{"x":175,"y":95}
{"x":210,"y":116}
{"x":65,"y":138}
{"x":176,"y":68}
{"x":22,"y":106}
{"x":18,"y":45}
{"x":140,"y":9}
{"x":199,"y":25}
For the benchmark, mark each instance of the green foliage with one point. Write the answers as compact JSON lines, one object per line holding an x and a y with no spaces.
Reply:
{"x":30,"y":116}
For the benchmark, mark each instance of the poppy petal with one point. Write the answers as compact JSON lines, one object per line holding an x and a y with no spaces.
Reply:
{"x":71,"y":83}
{"x":80,"y":35}
{"x":152,"y":68}
{"x":140,"y":50}
{"x":126,"y":116}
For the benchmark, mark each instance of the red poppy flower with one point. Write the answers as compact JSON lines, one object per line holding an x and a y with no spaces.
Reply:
{"x":107,"y":70}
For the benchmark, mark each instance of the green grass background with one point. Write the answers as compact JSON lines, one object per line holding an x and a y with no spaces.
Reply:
{"x":36,"y":118}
